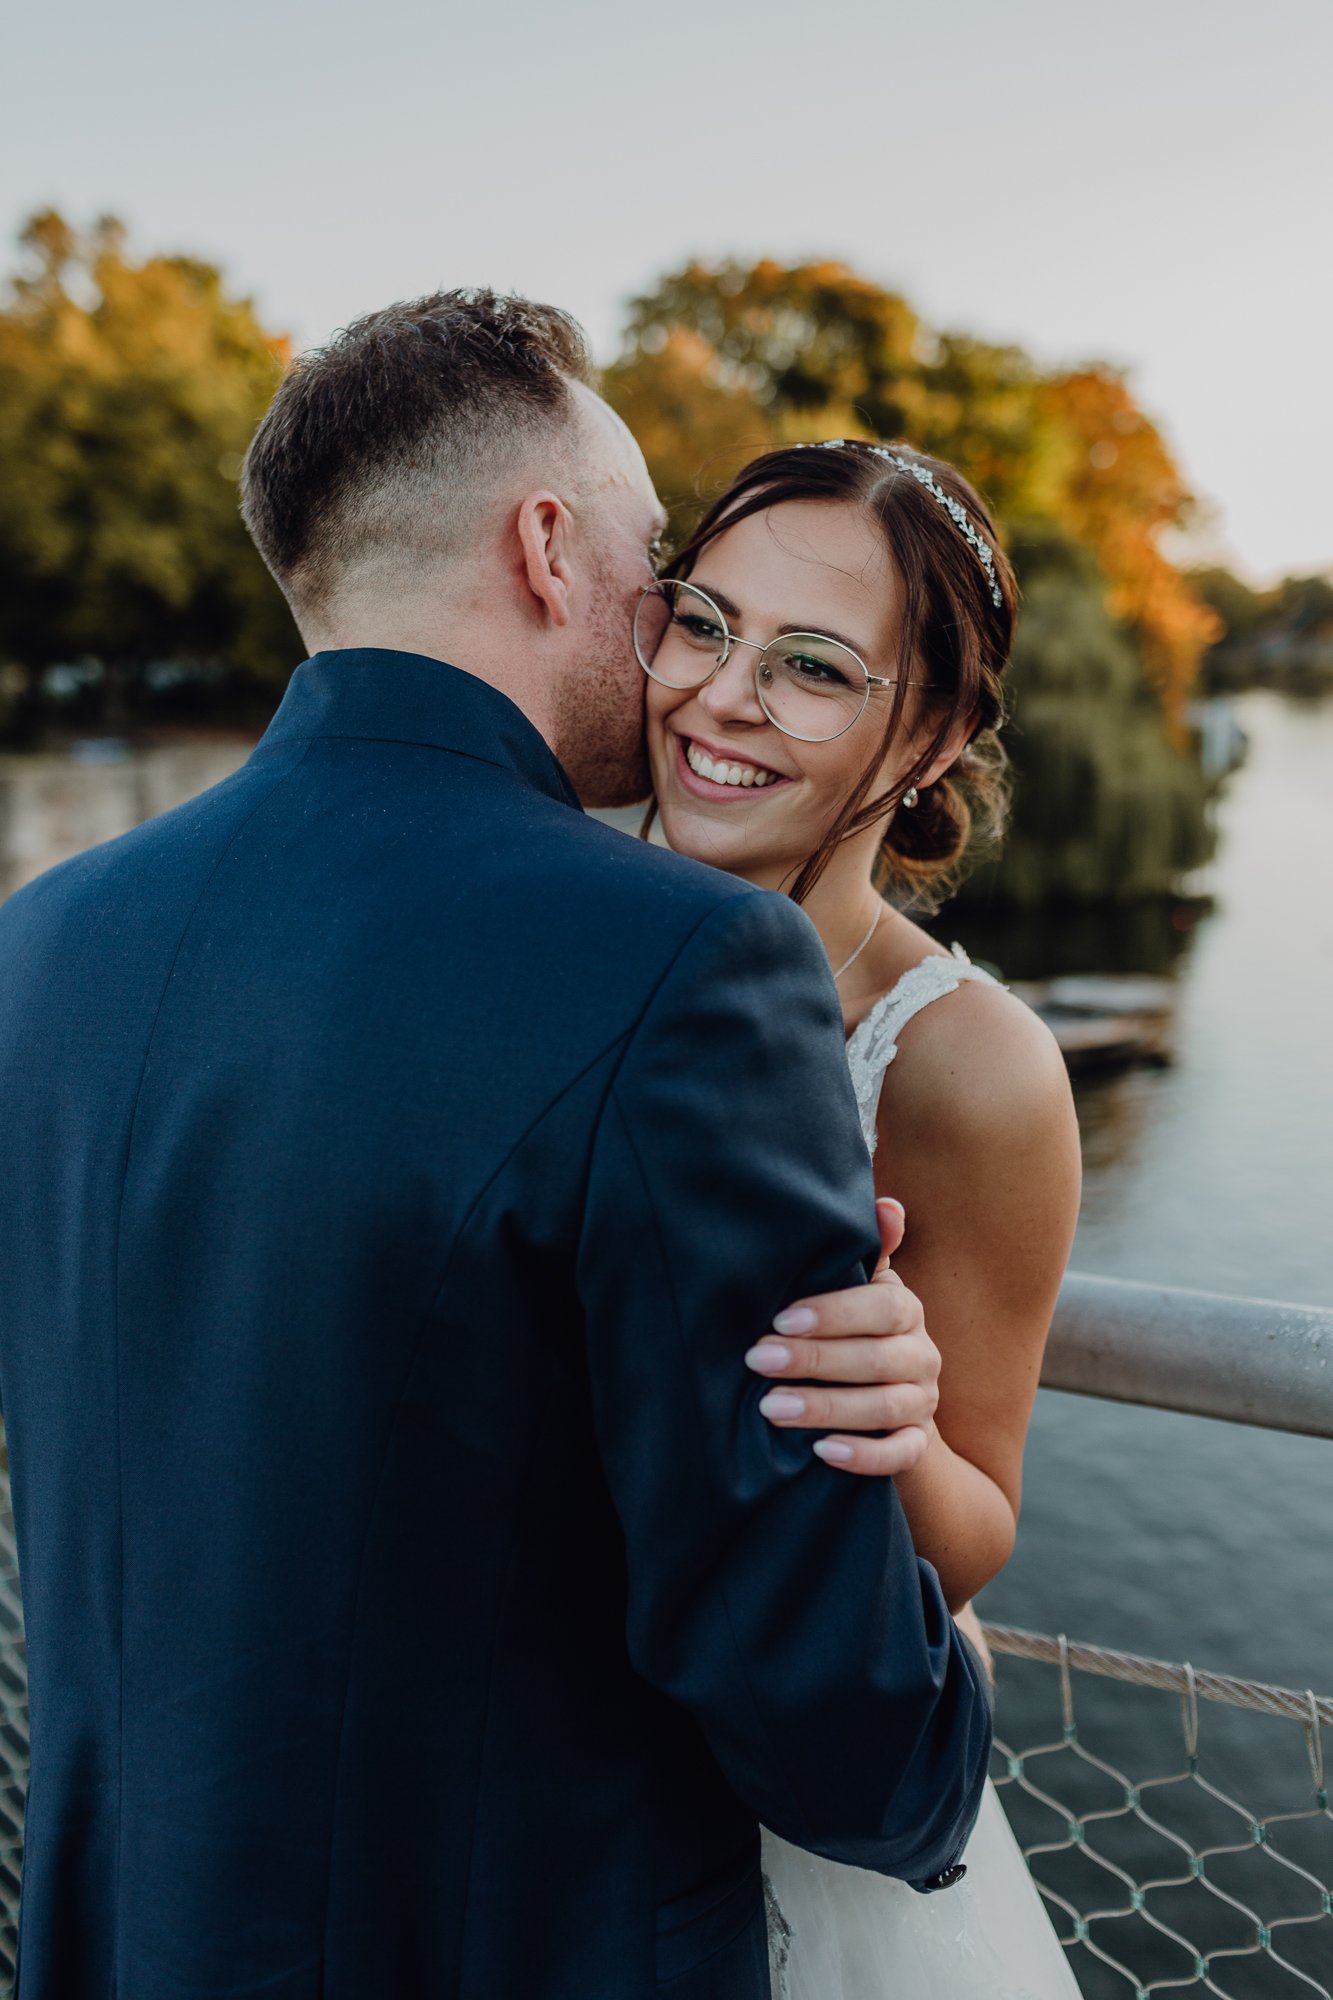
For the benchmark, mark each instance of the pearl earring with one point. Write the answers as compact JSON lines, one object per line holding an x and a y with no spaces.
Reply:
{"x":910,"y":796}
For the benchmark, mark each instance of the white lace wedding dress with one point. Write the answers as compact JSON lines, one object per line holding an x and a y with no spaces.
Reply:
{"x":840,"y":1933}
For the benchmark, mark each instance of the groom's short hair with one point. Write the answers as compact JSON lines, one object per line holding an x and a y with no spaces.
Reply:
{"x":380,"y":447}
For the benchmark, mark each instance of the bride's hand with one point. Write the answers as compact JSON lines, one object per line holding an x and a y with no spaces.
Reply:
{"x":873,"y":1337}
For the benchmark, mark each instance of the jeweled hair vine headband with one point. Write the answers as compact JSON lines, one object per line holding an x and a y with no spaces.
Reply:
{"x":953,"y":508}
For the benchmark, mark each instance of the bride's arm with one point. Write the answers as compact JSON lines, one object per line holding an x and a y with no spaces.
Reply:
{"x":978,"y":1140}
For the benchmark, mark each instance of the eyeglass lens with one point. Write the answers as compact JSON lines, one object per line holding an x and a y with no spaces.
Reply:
{"x":809,"y":686}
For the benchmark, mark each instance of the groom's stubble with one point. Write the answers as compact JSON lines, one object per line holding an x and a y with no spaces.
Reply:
{"x":599,"y":708}
{"x":599,"y":722}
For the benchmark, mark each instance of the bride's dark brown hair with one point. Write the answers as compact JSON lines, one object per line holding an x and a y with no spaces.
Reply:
{"x":952,"y":634}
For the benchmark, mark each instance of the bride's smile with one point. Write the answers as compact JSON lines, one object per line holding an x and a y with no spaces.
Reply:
{"x":720,"y":771}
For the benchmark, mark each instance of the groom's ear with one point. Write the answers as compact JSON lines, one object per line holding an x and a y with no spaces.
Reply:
{"x":544,"y":526}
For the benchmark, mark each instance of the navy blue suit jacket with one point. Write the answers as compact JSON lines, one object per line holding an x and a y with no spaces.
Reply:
{"x":397,"y":1164}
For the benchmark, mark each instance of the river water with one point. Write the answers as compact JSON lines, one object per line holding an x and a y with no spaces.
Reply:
{"x":1169,"y":1534}
{"x":1143,"y":1531}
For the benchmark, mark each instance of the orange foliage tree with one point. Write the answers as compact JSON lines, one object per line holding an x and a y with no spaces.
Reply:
{"x":1119,"y":491}
{"x":723,"y":360}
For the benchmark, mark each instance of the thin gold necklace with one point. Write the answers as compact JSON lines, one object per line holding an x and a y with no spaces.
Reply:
{"x":847,"y":964}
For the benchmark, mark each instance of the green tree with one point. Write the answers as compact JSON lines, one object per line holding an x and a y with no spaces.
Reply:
{"x":1281,"y":637}
{"x":1303,"y":605}
{"x":128,"y":393}
{"x":816,"y":351}
{"x":809,"y":340}
{"x":1107,"y":805}
{"x":1239,"y":610}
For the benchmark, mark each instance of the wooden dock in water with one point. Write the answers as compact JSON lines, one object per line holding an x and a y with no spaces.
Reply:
{"x":1105,"y":1020}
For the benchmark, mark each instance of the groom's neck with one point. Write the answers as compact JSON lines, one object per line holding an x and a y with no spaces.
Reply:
{"x":471,"y":645}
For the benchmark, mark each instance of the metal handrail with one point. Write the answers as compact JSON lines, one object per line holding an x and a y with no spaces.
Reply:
{"x":1247,"y":1361}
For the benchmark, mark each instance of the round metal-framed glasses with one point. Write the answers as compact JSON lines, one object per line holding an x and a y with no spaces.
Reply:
{"x":809,"y":686}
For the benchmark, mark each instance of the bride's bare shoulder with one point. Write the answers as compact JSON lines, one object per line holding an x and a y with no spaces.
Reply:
{"x":973,"y":1062}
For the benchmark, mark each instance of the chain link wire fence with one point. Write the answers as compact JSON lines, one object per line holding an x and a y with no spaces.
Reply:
{"x":1161,"y":1879}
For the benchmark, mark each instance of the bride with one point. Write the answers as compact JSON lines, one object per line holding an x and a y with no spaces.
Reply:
{"x":825,"y":658}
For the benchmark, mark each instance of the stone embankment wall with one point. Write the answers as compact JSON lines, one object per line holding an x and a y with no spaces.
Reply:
{"x":52,"y":807}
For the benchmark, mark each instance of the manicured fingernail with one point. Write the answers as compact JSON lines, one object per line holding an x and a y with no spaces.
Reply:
{"x":796,"y":1319}
{"x":782,"y":1403}
{"x":832,"y":1451}
{"x":769,"y":1358}
{"x":891,"y":1201}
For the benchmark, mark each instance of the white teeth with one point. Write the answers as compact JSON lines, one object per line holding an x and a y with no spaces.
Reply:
{"x":723,"y":773}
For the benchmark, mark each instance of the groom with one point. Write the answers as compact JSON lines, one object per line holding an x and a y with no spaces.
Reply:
{"x":398,"y":1165}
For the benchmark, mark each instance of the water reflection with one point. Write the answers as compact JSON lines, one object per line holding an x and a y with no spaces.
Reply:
{"x":1225,"y":1175}
{"x":1151,"y":938}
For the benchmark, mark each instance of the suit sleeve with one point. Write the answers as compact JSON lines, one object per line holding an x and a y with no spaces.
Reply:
{"x":780,"y":1602}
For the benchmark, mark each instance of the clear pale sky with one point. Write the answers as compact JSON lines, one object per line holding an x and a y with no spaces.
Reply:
{"x":1149,"y":182}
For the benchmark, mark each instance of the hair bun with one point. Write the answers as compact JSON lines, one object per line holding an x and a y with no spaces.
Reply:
{"x":926,"y":852}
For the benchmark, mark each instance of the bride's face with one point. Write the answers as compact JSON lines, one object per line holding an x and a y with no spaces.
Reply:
{"x":805,"y":566}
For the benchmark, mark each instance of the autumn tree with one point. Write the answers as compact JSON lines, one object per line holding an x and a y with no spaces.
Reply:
{"x":743,"y":359}
{"x":816,"y":351}
{"x":697,"y":428}
{"x":822,"y":352}
{"x":128,"y":393}
{"x":1118,"y":491}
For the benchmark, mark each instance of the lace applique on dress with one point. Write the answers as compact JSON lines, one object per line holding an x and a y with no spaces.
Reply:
{"x":873,"y":1043}
{"x":779,"y":1942}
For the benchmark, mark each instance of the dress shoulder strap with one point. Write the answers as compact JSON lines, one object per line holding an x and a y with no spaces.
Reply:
{"x":873,"y":1043}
